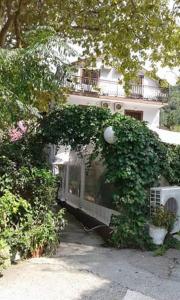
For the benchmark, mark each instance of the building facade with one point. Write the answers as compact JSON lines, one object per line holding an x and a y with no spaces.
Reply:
{"x":103,"y":86}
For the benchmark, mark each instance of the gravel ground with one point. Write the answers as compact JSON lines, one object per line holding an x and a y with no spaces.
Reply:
{"x":83,"y":269}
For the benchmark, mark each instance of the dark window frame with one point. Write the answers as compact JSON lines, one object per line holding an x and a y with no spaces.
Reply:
{"x":136,"y":114}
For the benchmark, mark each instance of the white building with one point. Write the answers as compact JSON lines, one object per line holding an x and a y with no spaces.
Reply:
{"x":103,"y":86}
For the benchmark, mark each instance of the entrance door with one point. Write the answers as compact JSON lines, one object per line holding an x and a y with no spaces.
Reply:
{"x":137,"y":114}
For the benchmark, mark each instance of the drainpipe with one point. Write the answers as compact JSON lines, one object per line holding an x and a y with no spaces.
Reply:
{"x":82,"y":184}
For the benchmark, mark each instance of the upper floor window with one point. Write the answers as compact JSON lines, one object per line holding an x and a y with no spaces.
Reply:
{"x":90,"y":76}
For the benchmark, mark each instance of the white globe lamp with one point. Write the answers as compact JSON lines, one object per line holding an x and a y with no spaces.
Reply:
{"x":109,"y":135}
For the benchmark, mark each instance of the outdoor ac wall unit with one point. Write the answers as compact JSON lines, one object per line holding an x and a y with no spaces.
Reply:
{"x":168,"y":197}
{"x":118,"y":107}
{"x":105,"y":104}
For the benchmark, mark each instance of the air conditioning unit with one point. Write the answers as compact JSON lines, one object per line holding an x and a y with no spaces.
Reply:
{"x":105,"y":104}
{"x":170,"y":198}
{"x":118,"y":107}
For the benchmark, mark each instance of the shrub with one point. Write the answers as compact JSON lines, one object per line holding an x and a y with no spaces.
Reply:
{"x":15,"y":211}
{"x":172,"y":170}
{"x":46,"y":236}
{"x":23,"y":230}
{"x":29,"y":218}
{"x":37,"y":185}
{"x":15,"y":218}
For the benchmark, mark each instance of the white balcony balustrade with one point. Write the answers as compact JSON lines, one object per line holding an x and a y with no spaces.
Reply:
{"x":101,"y":87}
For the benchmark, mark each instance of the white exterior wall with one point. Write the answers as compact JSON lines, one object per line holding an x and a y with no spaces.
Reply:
{"x":149,"y":84}
{"x":109,"y":74}
{"x":150,"y":112}
{"x":108,"y":82}
{"x":108,"y":85}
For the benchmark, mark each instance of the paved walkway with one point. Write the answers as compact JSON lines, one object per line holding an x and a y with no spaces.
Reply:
{"x":83,"y":269}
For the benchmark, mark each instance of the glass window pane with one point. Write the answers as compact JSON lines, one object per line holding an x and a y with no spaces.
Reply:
{"x":74,"y":180}
{"x":96,"y":189}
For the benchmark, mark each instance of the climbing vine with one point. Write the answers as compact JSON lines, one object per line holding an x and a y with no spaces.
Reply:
{"x":74,"y":125}
{"x":172,"y":171}
{"x":133,"y":163}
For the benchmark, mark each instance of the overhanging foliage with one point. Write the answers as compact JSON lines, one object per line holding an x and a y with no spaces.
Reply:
{"x":129,"y":31}
{"x":31,"y":80}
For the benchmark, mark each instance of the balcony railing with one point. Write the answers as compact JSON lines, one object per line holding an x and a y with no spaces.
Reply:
{"x":102,"y":87}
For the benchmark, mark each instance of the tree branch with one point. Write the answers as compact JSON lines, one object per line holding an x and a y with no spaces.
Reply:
{"x":17,"y":25}
{"x":5,"y":29}
{"x":17,"y":31}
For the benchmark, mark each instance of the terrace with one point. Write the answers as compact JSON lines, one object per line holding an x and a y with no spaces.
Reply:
{"x":100,"y":87}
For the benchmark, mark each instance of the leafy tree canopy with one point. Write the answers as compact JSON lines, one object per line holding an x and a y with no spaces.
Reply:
{"x":129,"y":31}
{"x":31,"y":80}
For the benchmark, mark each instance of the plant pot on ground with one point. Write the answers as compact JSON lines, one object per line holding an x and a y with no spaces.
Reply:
{"x":162,"y":223}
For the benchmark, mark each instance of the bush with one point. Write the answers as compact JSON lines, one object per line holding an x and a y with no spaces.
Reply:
{"x":30,"y":221}
{"x":16,"y":217}
{"x":45,"y":237}
{"x":23,"y":230}
{"x":172,"y":170}
{"x":37,"y":185}
{"x":28,"y":151}
{"x":15,"y":212}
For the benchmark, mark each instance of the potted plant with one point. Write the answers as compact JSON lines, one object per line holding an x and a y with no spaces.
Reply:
{"x":162,"y":223}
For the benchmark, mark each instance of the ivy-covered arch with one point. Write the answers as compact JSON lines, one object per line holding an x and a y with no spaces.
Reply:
{"x":133,"y":163}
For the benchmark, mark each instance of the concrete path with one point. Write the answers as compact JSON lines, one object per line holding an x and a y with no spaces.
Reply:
{"x":83,"y":269}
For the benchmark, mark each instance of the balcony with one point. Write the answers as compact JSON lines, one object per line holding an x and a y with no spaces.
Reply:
{"x":100,"y":87}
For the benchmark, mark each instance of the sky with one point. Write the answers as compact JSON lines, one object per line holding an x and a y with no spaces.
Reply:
{"x":170,"y":75}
